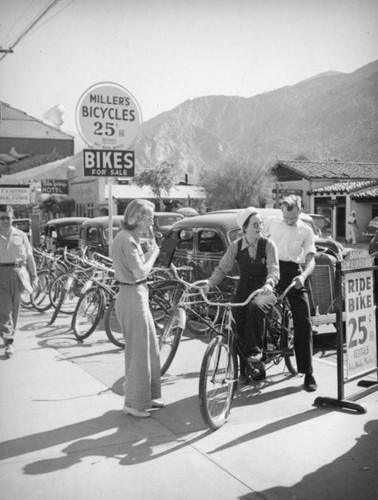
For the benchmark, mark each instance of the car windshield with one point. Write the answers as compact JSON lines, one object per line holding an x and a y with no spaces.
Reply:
{"x":167,"y":220}
{"x":23,"y":225}
{"x":68,"y":230}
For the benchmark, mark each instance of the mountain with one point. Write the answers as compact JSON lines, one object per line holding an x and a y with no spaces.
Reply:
{"x":331,"y":115}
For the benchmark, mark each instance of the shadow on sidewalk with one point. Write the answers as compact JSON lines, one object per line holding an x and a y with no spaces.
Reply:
{"x":351,"y":476}
{"x":124,"y":438}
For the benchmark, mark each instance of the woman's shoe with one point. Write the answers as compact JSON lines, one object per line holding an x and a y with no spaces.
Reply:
{"x":127,"y":410}
{"x":157,"y":403}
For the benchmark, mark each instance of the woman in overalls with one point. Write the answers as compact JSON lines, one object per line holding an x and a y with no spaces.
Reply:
{"x":257,"y":259}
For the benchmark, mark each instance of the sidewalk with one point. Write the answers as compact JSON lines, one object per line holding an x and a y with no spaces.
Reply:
{"x":63,"y":436}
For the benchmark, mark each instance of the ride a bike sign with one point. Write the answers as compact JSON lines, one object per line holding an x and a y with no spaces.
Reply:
{"x":361,"y":341}
{"x":108,"y":118}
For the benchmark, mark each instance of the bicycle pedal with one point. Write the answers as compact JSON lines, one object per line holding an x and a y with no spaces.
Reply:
{"x":287,"y":352}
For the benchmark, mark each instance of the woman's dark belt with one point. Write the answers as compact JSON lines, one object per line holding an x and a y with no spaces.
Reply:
{"x":133,"y":284}
{"x":11,"y":264}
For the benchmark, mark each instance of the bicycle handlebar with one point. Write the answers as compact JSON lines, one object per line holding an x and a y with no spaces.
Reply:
{"x":285,"y":292}
{"x":229,"y":304}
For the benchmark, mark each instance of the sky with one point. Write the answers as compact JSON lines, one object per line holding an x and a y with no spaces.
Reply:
{"x":165,"y":52}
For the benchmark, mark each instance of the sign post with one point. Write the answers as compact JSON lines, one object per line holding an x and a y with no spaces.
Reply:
{"x":360,"y":329}
{"x":108,"y":118}
{"x":361,"y":343}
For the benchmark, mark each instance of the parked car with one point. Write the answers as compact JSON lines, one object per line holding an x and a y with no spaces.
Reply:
{"x":202,"y":240}
{"x":61,"y":233}
{"x":24,"y":225}
{"x":322,"y":224}
{"x":163,"y":221}
{"x":371,"y":227}
{"x":94,"y":234}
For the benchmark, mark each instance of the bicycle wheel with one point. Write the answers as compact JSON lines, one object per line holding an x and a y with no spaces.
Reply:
{"x":69,"y":284}
{"x":113,"y":329}
{"x":40,"y":297}
{"x":217,"y":382}
{"x":199,"y":309}
{"x":169,"y":320}
{"x":287,"y":341}
{"x":169,"y":338}
{"x":163,"y":296}
{"x":88,"y":313}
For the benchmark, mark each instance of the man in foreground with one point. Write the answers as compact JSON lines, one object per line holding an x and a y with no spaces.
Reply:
{"x":15,"y":252}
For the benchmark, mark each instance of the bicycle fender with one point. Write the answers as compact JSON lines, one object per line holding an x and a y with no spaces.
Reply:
{"x":182,"y":318}
{"x":69,"y":282}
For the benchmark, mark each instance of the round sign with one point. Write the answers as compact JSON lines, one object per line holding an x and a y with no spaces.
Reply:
{"x":108,"y":116}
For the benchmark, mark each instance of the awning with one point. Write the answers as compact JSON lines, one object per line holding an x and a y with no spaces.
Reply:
{"x":132,"y":191}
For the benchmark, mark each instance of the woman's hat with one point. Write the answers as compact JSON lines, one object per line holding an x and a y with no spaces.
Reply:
{"x":244,"y":215}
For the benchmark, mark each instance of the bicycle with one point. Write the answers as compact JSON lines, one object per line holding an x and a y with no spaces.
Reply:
{"x":162,"y":297}
{"x":188,"y":306}
{"x":66,"y":289}
{"x":49,"y":267}
{"x":219,"y":368}
{"x":95,"y":297}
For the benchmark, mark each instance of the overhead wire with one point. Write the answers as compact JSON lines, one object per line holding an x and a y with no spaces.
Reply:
{"x":17,"y":21}
{"x":53,"y":16}
{"x":30,"y":26}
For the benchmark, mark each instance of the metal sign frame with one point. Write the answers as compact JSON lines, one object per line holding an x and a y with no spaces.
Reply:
{"x":369,"y":385}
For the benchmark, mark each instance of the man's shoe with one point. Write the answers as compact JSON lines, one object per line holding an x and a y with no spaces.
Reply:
{"x":255,"y":356}
{"x":127,"y":410}
{"x":310,"y":384}
{"x":157,"y":403}
{"x":243,"y":380}
{"x":9,"y":350}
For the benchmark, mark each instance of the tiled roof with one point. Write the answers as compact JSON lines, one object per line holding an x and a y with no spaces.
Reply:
{"x":326,"y":169}
{"x":345,"y":187}
{"x":366,"y":194}
{"x":17,"y":124}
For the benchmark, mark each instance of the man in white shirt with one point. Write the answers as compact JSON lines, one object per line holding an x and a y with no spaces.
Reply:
{"x":295,"y":242}
{"x":15,"y":251}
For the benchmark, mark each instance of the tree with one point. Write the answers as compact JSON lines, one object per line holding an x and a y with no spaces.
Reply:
{"x":237,"y":184}
{"x":58,"y":204}
{"x":160,"y":178}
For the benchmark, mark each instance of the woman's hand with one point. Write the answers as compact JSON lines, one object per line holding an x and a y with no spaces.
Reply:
{"x":267,"y":289}
{"x":153,"y":251}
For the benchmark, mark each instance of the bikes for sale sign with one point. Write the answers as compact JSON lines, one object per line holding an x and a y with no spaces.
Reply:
{"x":108,"y":116}
{"x":360,"y":323}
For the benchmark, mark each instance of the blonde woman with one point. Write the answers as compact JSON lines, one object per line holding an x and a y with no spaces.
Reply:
{"x":132,"y":266}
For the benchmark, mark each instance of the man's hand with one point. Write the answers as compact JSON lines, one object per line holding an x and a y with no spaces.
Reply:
{"x":299,"y":281}
{"x":34,"y":281}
